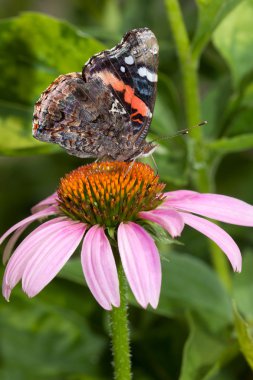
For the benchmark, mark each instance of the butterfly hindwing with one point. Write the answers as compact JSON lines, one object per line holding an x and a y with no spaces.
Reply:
{"x":105,"y":111}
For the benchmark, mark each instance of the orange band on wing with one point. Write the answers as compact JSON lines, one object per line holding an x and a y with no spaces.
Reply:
{"x":138,"y":121}
{"x":129,"y":97}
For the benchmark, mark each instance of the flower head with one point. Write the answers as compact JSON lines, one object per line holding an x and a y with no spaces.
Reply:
{"x":108,"y":193}
{"x":99,"y":198}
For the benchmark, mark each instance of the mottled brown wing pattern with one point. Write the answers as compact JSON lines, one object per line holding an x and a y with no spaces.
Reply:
{"x":106,"y":111}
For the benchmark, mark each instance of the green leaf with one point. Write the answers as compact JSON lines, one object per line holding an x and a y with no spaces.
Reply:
{"x":243,"y":287}
{"x":16,"y":132}
{"x":49,"y":337}
{"x":204,"y":353}
{"x":210,"y":14}
{"x":245,"y":337}
{"x":247,"y":99}
{"x":34,"y":50}
{"x":234,"y":41}
{"x":188,"y":285}
{"x":240,"y":122}
{"x":72,"y":271}
{"x":231,"y":145}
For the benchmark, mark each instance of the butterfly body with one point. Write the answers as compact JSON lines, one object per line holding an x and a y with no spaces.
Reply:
{"x":105,"y":111}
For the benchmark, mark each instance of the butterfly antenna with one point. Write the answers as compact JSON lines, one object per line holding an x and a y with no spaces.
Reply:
{"x":182,"y":132}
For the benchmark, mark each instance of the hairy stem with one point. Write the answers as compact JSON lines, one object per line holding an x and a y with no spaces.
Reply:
{"x":120,"y":334}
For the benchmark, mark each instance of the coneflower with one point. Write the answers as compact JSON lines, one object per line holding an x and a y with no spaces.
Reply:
{"x":103,"y":205}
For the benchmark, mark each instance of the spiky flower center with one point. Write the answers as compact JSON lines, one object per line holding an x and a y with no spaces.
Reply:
{"x":108,"y":193}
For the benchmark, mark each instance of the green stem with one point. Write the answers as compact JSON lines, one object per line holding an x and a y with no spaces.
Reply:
{"x":189,"y":68}
{"x":197,"y":150}
{"x":120,"y":333}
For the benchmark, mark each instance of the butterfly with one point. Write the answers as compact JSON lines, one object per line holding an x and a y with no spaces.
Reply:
{"x":104,"y":111}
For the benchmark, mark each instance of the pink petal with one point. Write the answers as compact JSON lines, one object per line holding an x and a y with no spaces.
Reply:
{"x":218,"y":235}
{"x":41,"y":214}
{"x":51,"y":200}
{"x":49,"y":258}
{"x":170,"y":220}
{"x":141,"y":263}
{"x":23,"y":253}
{"x":180,"y":195}
{"x":11,"y":243}
{"x":220,"y":207}
{"x":99,"y":268}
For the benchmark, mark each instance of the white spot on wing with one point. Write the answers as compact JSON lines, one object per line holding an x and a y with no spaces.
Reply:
{"x":117,"y":108}
{"x":122,"y":68}
{"x":129,"y":60}
{"x":144,"y":72}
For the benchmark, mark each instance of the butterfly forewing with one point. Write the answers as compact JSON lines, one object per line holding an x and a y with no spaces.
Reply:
{"x":130,"y":69}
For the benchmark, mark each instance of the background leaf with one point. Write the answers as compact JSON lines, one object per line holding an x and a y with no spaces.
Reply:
{"x":190,"y":285}
{"x":243,"y":287}
{"x":234,"y":42}
{"x":230,"y":145}
{"x":210,"y":14}
{"x":42,"y":338}
{"x":187,"y":285}
{"x":204,"y":353}
{"x":245,"y":337}
{"x":29,"y":66}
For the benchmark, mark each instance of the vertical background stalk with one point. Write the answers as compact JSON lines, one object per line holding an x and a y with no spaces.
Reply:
{"x":120,"y":333}
{"x":197,"y":149}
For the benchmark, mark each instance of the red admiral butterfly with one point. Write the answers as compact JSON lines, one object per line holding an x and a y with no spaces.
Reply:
{"x":105,"y":111}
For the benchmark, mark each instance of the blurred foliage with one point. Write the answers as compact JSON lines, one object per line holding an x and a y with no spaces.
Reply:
{"x":29,"y":65}
{"x":196,"y":333}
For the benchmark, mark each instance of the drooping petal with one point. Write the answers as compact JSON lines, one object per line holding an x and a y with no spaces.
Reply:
{"x":21,"y":256}
{"x":49,"y":258}
{"x":218,"y":235}
{"x":11,"y":243}
{"x":41,"y":214}
{"x":51,"y":200}
{"x":170,"y":220}
{"x":141,"y":263}
{"x":215,"y":206}
{"x":99,"y":268}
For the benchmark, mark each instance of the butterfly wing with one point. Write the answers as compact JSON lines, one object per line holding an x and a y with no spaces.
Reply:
{"x":130,"y":69}
{"x":74,"y":115}
{"x":106,"y":111}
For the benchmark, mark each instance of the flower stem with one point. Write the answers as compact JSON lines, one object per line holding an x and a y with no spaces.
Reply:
{"x":120,"y":333}
{"x":197,"y":149}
